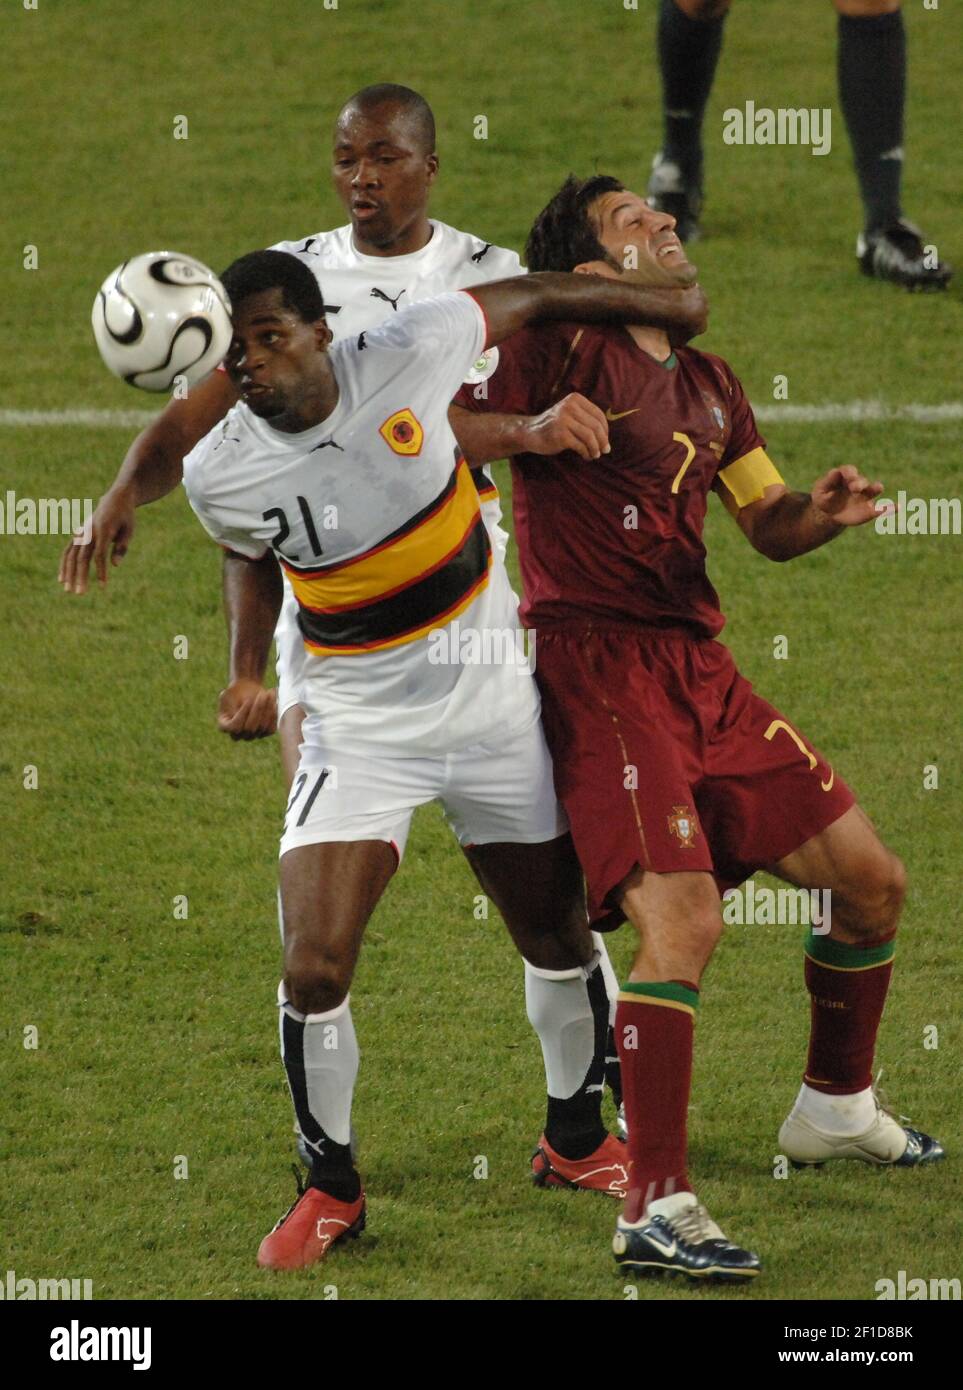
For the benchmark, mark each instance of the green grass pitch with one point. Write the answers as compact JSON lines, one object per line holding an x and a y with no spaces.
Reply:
{"x":157,"y":1034}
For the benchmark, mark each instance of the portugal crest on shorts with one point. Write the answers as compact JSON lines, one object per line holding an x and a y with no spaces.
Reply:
{"x":684,"y":824}
{"x":402,"y":433}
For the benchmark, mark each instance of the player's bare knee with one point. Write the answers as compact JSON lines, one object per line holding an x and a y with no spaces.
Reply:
{"x":315,"y":983}
{"x":704,"y":932}
{"x":872,"y":908}
{"x":568,"y":946}
{"x":681,"y":947}
{"x":890,"y":890}
{"x":866,"y":9}
{"x":704,"y":9}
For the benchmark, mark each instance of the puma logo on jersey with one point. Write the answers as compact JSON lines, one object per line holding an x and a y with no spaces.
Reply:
{"x":225,"y":438}
{"x":483,"y":252}
{"x":361,"y":343}
{"x":327,"y":444}
{"x":380,"y":294}
{"x":611,"y":414}
{"x":306,"y":248}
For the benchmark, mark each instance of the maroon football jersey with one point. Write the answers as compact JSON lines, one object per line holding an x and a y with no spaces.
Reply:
{"x":619,"y":539}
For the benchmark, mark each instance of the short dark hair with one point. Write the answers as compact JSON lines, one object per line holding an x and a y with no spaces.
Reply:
{"x":412,"y":103}
{"x":562,"y":234}
{"x":275,"y":270}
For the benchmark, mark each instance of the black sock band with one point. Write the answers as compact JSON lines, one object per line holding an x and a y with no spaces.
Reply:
{"x":688,"y":53}
{"x":872,"y":84}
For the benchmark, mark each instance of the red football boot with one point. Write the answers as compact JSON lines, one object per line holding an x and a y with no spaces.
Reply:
{"x":309,"y":1228}
{"x":606,"y":1171}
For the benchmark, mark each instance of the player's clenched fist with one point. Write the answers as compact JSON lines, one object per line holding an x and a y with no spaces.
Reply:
{"x":246,"y":710}
{"x":846,"y":497}
{"x":573,"y":423}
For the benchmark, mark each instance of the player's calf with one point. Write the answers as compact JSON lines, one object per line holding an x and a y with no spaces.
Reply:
{"x":837,"y":1113}
{"x":679,"y":921}
{"x":537,"y":888}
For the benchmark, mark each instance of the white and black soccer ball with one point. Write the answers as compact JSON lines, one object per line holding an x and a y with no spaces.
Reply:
{"x":159,"y":316}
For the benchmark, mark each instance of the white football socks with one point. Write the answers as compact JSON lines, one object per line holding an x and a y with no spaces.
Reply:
{"x":560,"y":1010}
{"x":611,"y":979}
{"x":851,"y":1114}
{"x":321,"y":1057}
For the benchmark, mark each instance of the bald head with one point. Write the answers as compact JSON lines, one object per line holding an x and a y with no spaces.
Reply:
{"x":383,"y":166}
{"x":389,"y":101}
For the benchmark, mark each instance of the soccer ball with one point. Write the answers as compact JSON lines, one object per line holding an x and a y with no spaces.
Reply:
{"x":159,"y":316}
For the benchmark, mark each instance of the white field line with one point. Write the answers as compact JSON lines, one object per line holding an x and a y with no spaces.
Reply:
{"x":848,"y":412}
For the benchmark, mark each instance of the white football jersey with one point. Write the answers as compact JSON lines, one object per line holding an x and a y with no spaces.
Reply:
{"x":375,"y":520}
{"x":361,"y":292}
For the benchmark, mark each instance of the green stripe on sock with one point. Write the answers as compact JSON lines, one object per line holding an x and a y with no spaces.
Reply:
{"x":825,"y":951}
{"x":667,"y":989}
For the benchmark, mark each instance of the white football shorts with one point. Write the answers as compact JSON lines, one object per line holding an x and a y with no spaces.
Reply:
{"x":492,"y":792}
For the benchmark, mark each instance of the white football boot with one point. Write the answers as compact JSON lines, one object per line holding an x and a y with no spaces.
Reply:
{"x":883,"y":1141}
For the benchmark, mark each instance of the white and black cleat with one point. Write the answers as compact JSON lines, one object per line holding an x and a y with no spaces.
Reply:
{"x":671,"y":190}
{"x":677,"y":1235}
{"x":885,"y":1144}
{"x":897,"y":252}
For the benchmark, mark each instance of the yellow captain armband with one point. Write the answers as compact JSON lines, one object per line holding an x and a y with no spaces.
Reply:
{"x":746,"y":480}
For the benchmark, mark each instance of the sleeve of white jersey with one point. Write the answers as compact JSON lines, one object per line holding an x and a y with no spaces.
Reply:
{"x":501,"y":264}
{"x":216,"y":520}
{"x":442,"y":336}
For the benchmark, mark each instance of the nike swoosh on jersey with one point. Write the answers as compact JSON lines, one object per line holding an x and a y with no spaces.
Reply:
{"x":611,"y":414}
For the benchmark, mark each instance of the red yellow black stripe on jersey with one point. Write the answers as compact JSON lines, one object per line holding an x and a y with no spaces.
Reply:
{"x":484,"y":484}
{"x":418,"y":578}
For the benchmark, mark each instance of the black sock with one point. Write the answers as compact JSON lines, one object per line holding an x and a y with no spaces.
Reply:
{"x":574,"y":1126}
{"x":334,"y":1172}
{"x":688,"y":52}
{"x":872,"y":81}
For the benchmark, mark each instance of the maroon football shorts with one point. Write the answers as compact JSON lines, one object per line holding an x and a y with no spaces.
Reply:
{"x":665,"y":758}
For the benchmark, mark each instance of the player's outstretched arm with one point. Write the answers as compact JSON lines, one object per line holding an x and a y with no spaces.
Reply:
{"x":253,"y":591}
{"x":151,"y":469}
{"x":510,"y":305}
{"x":784,"y":524}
